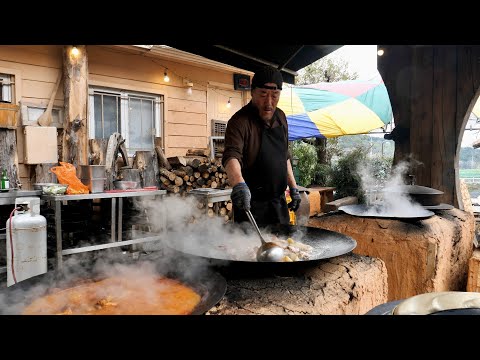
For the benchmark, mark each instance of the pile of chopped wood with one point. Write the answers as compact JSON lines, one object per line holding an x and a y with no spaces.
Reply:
{"x":182,"y":174}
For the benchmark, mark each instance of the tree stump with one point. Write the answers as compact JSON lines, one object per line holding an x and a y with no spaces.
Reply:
{"x":349,"y":284}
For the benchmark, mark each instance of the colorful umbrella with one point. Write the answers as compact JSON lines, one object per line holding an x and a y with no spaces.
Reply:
{"x":336,"y":108}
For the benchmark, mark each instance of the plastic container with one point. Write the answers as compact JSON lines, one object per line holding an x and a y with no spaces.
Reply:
{"x":29,"y":240}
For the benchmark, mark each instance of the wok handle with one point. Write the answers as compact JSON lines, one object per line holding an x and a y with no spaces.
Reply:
{"x":254,"y":223}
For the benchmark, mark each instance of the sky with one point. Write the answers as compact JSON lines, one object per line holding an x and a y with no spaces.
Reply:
{"x":360,"y":58}
{"x":363,"y":60}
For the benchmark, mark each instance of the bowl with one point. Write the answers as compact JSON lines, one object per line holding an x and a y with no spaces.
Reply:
{"x":54,"y":189}
{"x":39,"y":186}
{"x":125,"y":185}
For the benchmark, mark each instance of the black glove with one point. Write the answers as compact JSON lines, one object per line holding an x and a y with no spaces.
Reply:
{"x":241,"y":196}
{"x":296,"y":199}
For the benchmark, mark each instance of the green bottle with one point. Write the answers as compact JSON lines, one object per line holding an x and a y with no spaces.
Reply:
{"x":5,"y":183}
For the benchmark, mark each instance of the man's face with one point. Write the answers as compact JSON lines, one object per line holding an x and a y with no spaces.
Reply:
{"x":265,"y":101}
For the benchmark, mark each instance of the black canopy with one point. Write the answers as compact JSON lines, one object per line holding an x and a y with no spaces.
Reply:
{"x":289,"y":58}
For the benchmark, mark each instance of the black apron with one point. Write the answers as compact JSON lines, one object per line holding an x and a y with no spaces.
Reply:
{"x":267,"y":181}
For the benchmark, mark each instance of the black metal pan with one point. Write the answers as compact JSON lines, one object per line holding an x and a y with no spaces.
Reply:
{"x":325,"y":243}
{"x":210,"y":285}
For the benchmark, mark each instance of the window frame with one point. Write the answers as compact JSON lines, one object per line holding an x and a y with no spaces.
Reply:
{"x":159,"y":114}
{"x":6,"y":89}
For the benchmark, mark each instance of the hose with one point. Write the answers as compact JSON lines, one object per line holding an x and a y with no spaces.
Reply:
{"x":11,"y":242}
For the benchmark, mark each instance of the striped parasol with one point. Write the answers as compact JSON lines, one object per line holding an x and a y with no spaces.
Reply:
{"x":335,"y":109}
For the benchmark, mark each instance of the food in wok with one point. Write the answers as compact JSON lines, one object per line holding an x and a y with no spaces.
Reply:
{"x":293,"y":250}
{"x":119,"y":296}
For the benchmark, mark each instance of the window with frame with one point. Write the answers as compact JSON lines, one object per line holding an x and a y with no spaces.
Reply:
{"x":6,"y":88}
{"x":137,"y":116}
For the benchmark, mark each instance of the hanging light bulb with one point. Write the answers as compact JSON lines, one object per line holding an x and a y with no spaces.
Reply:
{"x":189,"y":90}
{"x":165,"y":76}
{"x":380,"y":52}
{"x":229,"y":104}
{"x":75,"y":52}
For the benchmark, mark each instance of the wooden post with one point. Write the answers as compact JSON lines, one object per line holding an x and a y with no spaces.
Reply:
{"x":75,"y":134}
{"x":8,"y":155}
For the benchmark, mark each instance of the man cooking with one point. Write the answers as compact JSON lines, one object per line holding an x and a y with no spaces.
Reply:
{"x":256,"y":156}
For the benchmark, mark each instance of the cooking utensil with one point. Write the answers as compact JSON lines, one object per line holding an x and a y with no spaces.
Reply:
{"x":210,"y":285}
{"x":380,"y":211}
{"x":46,"y":118}
{"x":268,"y":251}
{"x":230,"y":249}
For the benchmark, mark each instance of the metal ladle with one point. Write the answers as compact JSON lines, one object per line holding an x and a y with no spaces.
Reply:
{"x":268,"y":251}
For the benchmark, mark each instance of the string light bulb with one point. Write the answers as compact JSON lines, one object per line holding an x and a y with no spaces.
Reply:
{"x":189,"y":90}
{"x":229,"y":104}
{"x":75,"y":52}
{"x":165,"y":76}
{"x":380,"y":52}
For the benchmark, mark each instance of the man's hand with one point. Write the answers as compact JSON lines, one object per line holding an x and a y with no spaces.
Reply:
{"x":241,"y":196}
{"x":296,"y":199}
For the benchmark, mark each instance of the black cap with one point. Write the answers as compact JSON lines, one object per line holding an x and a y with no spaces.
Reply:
{"x":265,"y":75}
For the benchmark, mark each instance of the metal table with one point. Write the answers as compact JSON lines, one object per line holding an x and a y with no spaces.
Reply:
{"x":209,"y":195}
{"x":8,"y":197}
{"x":116,"y":239}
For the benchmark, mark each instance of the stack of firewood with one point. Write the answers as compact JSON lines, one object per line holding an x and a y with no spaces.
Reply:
{"x":181,"y":174}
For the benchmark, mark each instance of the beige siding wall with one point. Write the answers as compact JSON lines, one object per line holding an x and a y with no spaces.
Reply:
{"x":35,"y":69}
{"x":187,"y":117}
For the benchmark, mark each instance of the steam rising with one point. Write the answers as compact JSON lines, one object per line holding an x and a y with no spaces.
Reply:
{"x":384,"y":199}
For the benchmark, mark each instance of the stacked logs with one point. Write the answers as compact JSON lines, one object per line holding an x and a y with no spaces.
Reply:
{"x":181,"y":174}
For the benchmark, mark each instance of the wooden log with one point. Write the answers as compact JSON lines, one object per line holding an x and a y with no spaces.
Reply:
{"x":223,"y":211}
{"x":188,"y":169}
{"x":210,"y":205}
{"x":210,"y":213}
{"x":43,"y":173}
{"x":168,"y":174}
{"x":75,"y":136}
{"x":178,"y":181}
{"x":164,"y":180}
{"x":147,"y":163}
{"x":173,"y":188}
{"x":214,"y":185}
{"x":192,"y":178}
{"x":198,"y":152}
{"x":186,"y":178}
{"x":98,"y":151}
{"x":473,"y":280}
{"x":111,"y":159}
{"x":177,"y":160}
{"x":200,"y":181}
{"x":162,"y":160}
{"x":204,"y":168}
{"x":196,"y":174}
{"x":8,"y":156}
{"x":130,"y":175}
{"x":229,"y":206}
{"x":193,"y":162}
{"x":205,"y":175}
{"x":179,"y":173}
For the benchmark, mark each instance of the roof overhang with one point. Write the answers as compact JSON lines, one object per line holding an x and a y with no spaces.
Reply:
{"x":288,"y":58}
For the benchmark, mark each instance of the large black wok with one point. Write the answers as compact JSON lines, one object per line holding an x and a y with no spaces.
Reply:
{"x":240,"y":244}
{"x":210,"y":285}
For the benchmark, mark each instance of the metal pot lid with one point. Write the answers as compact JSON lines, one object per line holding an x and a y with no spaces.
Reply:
{"x":430,"y":303}
{"x":413,"y":189}
{"x":380,"y":211}
{"x":440,"y":206}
